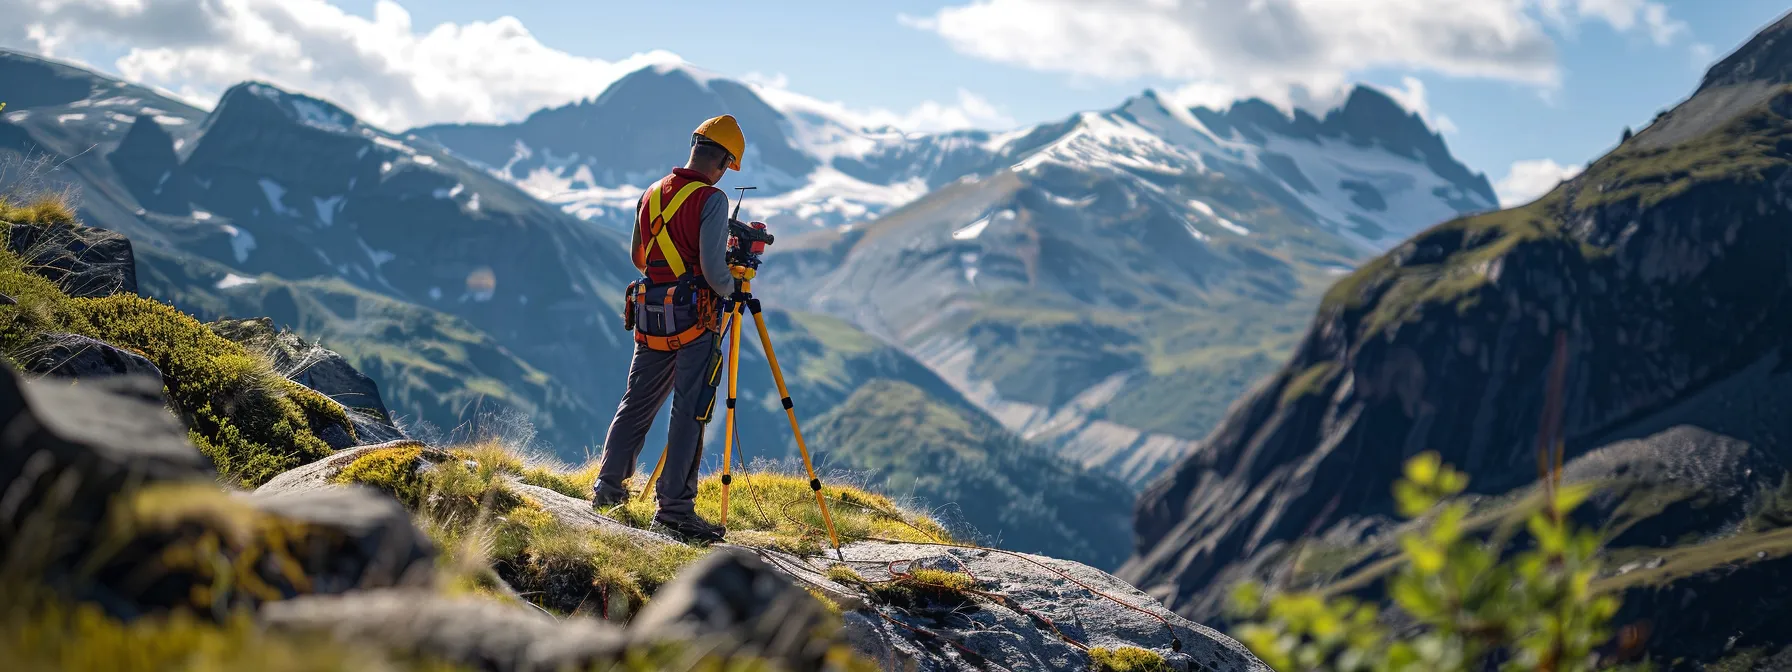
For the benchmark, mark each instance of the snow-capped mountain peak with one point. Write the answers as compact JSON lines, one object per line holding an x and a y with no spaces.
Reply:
{"x":1368,"y":170}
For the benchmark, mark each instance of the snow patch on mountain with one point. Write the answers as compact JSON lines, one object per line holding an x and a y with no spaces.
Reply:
{"x":326,"y":209}
{"x":832,"y":196}
{"x":1224,"y":223}
{"x":1368,"y":195}
{"x":234,"y":280}
{"x":306,"y":110}
{"x":274,"y":193}
{"x":241,"y":242}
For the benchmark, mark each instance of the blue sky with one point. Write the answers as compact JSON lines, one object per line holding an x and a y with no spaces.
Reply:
{"x":1551,"y":80}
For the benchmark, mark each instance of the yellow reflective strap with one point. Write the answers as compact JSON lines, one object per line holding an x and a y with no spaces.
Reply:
{"x":678,"y":199}
{"x":659,"y":218}
{"x":670,"y":252}
{"x":653,"y":209}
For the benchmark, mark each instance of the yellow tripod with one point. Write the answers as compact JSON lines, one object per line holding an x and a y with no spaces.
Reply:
{"x":736,"y":306}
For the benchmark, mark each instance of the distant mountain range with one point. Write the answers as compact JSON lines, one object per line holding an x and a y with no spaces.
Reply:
{"x":1106,"y":284}
{"x":1369,"y":169}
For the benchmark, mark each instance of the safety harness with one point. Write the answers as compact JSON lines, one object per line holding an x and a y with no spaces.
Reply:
{"x":640,"y":313}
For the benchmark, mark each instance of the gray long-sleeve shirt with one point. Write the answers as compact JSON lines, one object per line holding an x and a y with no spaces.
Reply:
{"x":712,"y":235}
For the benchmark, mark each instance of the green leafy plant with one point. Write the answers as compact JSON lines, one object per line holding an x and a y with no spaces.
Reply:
{"x":1459,"y":602}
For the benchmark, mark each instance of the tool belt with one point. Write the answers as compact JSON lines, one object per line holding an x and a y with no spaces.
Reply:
{"x":670,"y":315}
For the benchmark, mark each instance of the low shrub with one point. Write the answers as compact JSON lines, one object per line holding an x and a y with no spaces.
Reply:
{"x":1469,"y":605}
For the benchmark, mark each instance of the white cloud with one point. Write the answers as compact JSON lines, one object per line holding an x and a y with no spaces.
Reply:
{"x":1702,"y":55}
{"x":1283,"y":50}
{"x":970,"y":110}
{"x":776,"y":80}
{"x":1622,"y":15}
{"x":388,"y":71}
{"x":1527,"y":180}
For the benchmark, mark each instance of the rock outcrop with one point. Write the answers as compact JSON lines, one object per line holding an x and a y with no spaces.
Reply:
{"x":83,"y":261}
{"x":82,"y":358}
{"x":106,"y":496}
{"x":479,"y":633}
{"x":1667,"y":269}
{"x":311,"y":365}
{"x":1045,"y":612}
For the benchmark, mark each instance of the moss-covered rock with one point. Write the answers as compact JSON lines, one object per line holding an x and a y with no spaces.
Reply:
{"x":109,"y":504}
{"x":249,"y":420}
{"x":470,"y":501}
{"x":82,"y":261}
{"x":317,"y":368}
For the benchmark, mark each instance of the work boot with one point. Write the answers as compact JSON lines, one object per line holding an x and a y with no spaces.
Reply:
{"x":691,"y":527}
{"x":606,"y":497}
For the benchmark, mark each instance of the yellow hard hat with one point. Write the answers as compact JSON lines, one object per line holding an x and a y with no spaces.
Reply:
{"x":725,"y":131}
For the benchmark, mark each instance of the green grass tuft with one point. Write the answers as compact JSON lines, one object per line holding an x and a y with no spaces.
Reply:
{"x":925,"y":587}
{"x":774,"y":510}
{"x":845,"y":575}
{"x":42,"y":210}
{"x":490,"y":533}
{"x":570,"y":481}
{"x":1127,"y":659}
{"x":393,"y":470}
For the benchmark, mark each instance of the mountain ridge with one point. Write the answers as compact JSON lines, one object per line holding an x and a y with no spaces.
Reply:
{"x":1661,"y":267}
{"x":817,"y":169}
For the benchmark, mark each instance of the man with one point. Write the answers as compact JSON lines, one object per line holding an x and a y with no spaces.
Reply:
{"x":681,"y":235}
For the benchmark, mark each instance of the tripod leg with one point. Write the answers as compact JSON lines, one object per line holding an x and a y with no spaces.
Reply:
{"x":733,"y":376}
{"x":655,"y":478}
{"x":765,"y":339}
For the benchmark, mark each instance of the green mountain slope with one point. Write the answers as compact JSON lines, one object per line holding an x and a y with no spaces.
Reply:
{"x":1083,"y":313}
{"x":1017,"y":495}
{"x":432,"y":367}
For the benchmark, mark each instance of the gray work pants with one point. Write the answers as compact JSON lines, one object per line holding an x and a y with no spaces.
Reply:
{"x":651,"y":376}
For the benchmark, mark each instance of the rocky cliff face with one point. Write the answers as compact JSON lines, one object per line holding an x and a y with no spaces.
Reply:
{"x":1668,"y":268}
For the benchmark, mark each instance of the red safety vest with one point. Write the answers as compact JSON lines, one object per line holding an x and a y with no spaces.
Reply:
{"x":669,"y":226}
